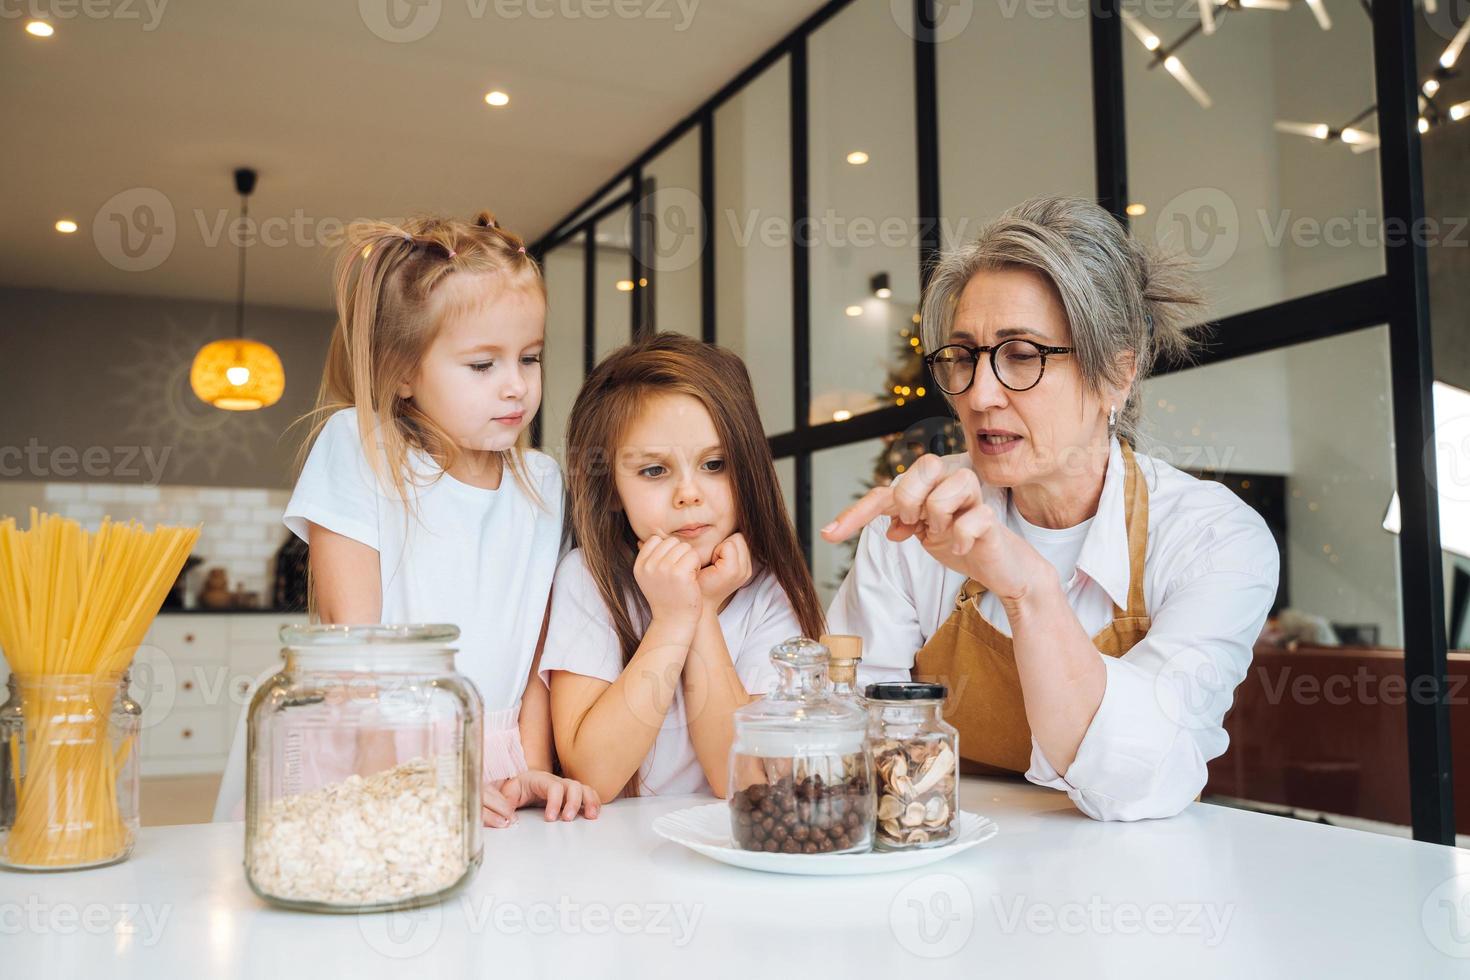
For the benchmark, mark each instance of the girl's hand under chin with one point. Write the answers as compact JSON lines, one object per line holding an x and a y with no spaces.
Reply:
{"x":729,"y":570}
{"x":666,"y":570}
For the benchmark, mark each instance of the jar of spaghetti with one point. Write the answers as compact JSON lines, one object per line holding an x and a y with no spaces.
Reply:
{"x":70,"y":798}
{"x":362,"y":787}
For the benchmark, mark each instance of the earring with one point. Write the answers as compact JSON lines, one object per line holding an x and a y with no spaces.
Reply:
{"x":1112,"y":420}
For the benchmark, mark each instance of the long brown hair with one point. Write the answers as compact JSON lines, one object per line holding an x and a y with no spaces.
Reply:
{"x":609,"y":401}
{"x":386,"y":279}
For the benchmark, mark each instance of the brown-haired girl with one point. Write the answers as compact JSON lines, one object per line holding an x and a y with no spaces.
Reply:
{"x":432,"y":378}
{"x":686,"y":574}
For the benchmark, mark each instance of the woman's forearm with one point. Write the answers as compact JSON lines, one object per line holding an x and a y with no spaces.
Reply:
{"x":712,"y":691}
{"x":606,"y":744}
{"x":1062,"y":674}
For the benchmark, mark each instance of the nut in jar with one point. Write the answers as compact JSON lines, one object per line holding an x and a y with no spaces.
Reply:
{"x":801,"y":777}
{"x":803,"y":812}
{"x":916,"y":761}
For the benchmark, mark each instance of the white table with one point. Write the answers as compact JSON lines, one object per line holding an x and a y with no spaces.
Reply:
{"x":1213,"y":892}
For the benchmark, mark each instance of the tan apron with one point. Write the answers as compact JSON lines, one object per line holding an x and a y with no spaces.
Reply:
{"x":978,"y":664}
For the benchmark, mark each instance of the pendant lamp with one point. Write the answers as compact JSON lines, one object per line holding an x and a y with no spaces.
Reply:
{"x":238,"y":374}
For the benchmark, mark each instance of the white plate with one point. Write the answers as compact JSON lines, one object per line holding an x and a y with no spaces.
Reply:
{"x":706,"y":829}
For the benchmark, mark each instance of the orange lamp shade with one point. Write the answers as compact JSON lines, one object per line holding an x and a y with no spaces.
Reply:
{"x":237,"y":375}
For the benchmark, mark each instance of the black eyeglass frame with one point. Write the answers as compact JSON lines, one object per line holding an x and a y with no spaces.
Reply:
{"x":1041,"y":349}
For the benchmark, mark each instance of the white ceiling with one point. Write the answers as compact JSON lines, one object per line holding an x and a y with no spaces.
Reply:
{"x":340,"y":123}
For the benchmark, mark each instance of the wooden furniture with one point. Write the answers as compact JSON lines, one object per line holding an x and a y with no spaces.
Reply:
{"x":191,"y":676}
{"x":1323,"y":728}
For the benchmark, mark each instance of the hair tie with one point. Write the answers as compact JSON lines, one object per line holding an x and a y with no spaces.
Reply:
{"x":521,"y":250}
{"x":1148,"y":319}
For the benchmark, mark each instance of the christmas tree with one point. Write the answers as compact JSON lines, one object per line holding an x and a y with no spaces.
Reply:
{"x":908,"y":381}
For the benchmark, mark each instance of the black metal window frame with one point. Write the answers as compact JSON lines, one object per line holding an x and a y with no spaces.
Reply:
{"x":1398,"y":298}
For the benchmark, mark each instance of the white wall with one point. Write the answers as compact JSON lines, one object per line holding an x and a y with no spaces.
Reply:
{"x":861,"y":97}
{"x":565,"y":325}
{"x":752,"y":258}
{"x":1343,"y":564}
{"x":1015,"y":114}
{"x":1232,"y":416}
{"x":674,"y":250}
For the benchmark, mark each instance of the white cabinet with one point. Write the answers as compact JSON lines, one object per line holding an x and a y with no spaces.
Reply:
{"x":192,"y":675}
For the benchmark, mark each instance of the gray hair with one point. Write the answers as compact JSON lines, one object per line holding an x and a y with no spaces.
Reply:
{"x":1120,"y":297}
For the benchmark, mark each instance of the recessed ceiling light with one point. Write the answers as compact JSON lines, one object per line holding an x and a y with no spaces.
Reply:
{"x":841,"y":415}
{"x":857,"y":158}
{"x":39,"y":28}
{"x":497,"y":98}
{"x":66,"y":226}
{"x":1137,"y":209}
{"x":625,"y":285}
{"x":854,"y":310}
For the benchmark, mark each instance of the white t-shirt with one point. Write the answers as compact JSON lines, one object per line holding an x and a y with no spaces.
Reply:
{"x":581,"y":639}
{"x":1061,"y":547}
{"x":480,"y":559}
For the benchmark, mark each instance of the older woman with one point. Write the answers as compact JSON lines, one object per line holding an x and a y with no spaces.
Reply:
{"x":1091,"y":608}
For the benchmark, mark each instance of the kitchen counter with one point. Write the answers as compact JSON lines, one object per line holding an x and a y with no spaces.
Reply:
{"x":201,"y":611}
{"x":1213,"y":892}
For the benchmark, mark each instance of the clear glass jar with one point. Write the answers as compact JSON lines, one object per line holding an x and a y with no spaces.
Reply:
{"x":362,"y":788}
{"x":916,"y":759}
{"x":801,"y":779}
{"x":71,"y":769}
{"x":10,"y":735}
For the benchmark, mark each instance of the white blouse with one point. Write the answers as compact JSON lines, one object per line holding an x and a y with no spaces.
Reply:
{"x":1210,"y":574}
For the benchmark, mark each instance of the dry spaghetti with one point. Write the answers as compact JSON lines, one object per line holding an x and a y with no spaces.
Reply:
{"x":74,"y":605}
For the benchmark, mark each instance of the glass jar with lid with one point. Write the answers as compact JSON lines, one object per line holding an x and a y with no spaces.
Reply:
{"x":362,"y":786}
{"x":801,"y":778}
{"x":916,"y":761}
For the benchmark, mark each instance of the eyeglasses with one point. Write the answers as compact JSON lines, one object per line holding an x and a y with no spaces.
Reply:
{"x":1018,"y":364}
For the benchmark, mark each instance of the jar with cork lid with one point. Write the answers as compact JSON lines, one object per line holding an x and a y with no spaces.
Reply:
{"x":846,"y":652}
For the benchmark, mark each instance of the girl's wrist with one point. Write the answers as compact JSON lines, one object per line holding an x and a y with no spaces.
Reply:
{"x":672,"y":627}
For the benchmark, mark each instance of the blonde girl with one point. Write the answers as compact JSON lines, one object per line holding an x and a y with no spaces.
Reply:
{"x":417,"y":499}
